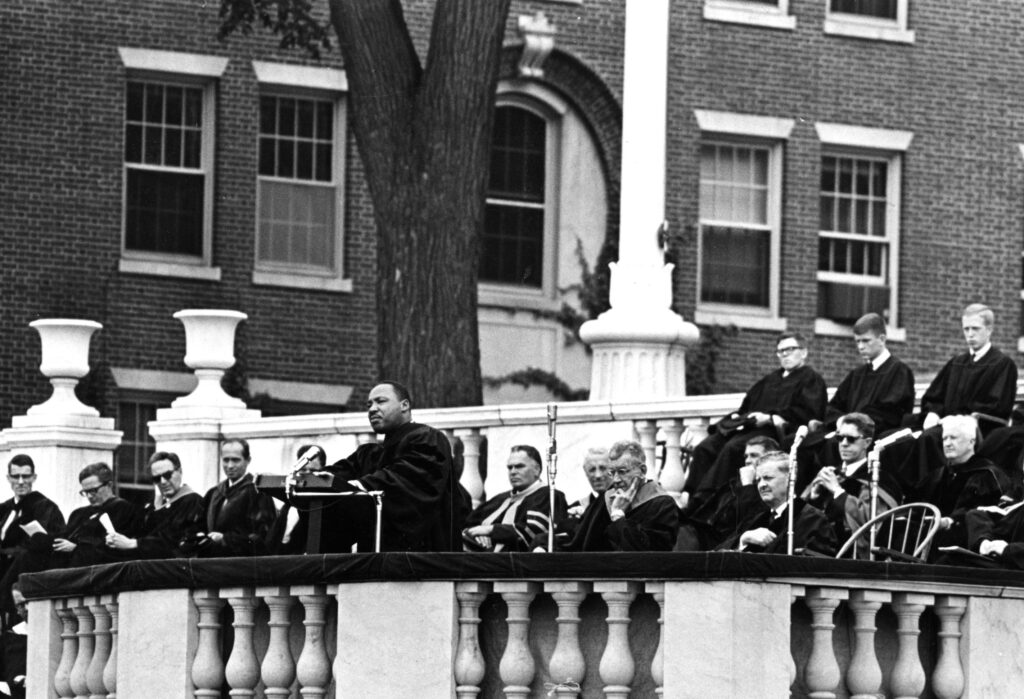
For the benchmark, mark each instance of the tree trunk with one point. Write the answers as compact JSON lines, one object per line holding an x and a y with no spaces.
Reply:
{"x":424,"y":137}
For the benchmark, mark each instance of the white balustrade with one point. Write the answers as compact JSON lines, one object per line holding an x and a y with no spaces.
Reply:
{"x":647,"y":435}
{"x":657,"y":591}
{"x":68,"y":651}
{"x":242,"y":671}
{"x":101,"y":649}
{"x":672,"y":476}
{"x":517,"y":666}
{"x":278,"y":667}
{"x":864,"y":676}
{"x":948,"y":676}
{"x":822,"y":673}
{"x":617,"y":666}
{"x":313,"y":669}
{"x":208,"y":666}
{"x":907,"y":674}
{"x":110,"y":671}
{"x":469,"y":660}
{"x":86,"y":642}
{"x":471,"y":480}
{"x":567,"y":666}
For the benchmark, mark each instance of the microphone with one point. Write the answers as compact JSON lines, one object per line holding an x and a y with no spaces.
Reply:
{"x":801,"y":434}
{"x":893,"y":438}
{"x":307,"y":456}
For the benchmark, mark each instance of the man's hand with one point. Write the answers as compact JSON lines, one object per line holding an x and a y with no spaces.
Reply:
{"x":480,"y":530}
{"x":746,"y":475}
{"x":215,"y":537}
{"x":620,"y":500}
{"x":946,"y":523}
{"x":992,"y":548}
{"x":828,"y":479}
{"x":64,"y":546}
{"x":761,"y":419}
{"x":121,"y":542}
{"x":762,"y":536}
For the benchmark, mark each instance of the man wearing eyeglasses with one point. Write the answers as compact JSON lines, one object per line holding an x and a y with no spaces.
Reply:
{"x":83,"y":542}
{"x":775,"y":406}
{"x":18,"y":513}
{"x":634,"y":513}
{"x":843,"y":492}
{"x":175,"y":514}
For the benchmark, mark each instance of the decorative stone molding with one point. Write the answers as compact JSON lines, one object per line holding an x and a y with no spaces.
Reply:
{"x":538,"y":40}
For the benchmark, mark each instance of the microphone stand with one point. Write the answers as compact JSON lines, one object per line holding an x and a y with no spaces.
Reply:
{"x":874,"y":468}
{"x":552,"y":472}
{"x":791,"y":488}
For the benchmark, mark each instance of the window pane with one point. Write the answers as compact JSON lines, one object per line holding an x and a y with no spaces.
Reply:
{"x":518,"y":155}
{"x":513,"y":245}
{"x":735,"y":266}
{"x":164,"y":212}
{"x":883,"y":9}
{"x":296,"y":225}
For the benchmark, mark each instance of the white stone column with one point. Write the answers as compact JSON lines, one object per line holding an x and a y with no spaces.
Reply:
{"x":191,"y":427}
{"x":160,"y":624}
{"x":639,"y":343}
{"x":61,"y":434}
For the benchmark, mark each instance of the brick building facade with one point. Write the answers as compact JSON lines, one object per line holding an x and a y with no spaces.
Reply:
{"x":825,"y":157}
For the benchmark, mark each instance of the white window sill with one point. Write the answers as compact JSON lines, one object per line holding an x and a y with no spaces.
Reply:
{"x":298,"y":281}
{"x":744,"y":13}
{"x":169,"y":269}
{"x":491,"y":296}
{"x":740,"y":320}
{"x":861,"y":29}
{"x":830,"y":328}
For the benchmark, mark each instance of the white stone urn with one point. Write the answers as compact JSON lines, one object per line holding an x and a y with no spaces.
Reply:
{"x":209,"y":351}
{"x":65,"y":361}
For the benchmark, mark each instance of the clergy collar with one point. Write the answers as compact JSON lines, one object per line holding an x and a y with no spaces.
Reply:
{"x":881,"y":359}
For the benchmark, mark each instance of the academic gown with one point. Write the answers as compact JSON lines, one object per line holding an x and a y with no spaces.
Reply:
{"x":242,"y":514}
{"x":811,"y":530}
{"x":532,"y":518}
{"x":167,"y":525}
{"x":86,"y":531}
{"x":964,"y":386}
{"x":650,"y":524}
{"x":33,"y":507}
{"x":852,"y":508}
{"x":413,"y":467}
{"x":993,"y":526}
{"x":955,"y":490}
{"x":886,"y":395}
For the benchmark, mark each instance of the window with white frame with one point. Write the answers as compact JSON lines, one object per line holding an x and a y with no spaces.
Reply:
{"x":764,"y":13}
{"x":168,"y":159}
{"x":884,"y":20}
{"x":300,"y":178}
{"x":739,"y":218}
{"x":516,"y":249}
{"x":859,"y":216}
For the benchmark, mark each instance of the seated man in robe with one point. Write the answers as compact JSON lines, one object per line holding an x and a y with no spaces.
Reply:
{"x":998,"y":534}
{"x":775,"y":407}
{"x":843,"y":492}
{"x":707,"y":528}
{"x":83,"y":541}
{"x":595,"y":467}
{"x":764,"y":528}
{"x":176,"y":514}
{"x":634,"y":514}
{"x":966,"y":481}
{"x":511,"y":520}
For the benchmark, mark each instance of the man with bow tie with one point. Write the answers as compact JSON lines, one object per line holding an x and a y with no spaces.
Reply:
{"x":843,"y":492}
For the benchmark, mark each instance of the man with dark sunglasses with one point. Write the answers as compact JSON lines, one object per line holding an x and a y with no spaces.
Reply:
{"x":176,"y":513}
{"x":83,"y":541}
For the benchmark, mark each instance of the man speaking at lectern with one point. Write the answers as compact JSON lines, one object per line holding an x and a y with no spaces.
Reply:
{"x":413,"y":468}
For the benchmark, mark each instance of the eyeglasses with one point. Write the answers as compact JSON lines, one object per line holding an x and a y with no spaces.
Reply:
{"x":620,"y":472}
{"x":85,"y":492}
{"x":21,"y":477}
{"x":847,"y":438}
{"x":783,"y":351}
{"x":165,"y":476}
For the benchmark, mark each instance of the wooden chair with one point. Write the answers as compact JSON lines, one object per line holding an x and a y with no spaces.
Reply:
{"x":904,"y":533}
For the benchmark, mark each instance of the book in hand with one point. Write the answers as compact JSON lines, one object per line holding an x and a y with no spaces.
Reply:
{"x":33,"y":527}
{"x":1003,"y":509}
{"x":107,"y":524}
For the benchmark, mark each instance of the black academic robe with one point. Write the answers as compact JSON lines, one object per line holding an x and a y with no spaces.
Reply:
{"x":532,"y":519}
{"x":811,"y":530}
{"x":964,"y":386}
{"x":852,"y":508}
{"x":85,"y":530}
{"x":651,"y":524}
{"x":33,"y":507}
{"x":413,"y":467}
{"x":166,"y":526}
{"x":955,"y":490}
{"x":996,"y":527}
{"x":886,"y":395}
{"x":242,"y":514}
{"x":708,"y":526}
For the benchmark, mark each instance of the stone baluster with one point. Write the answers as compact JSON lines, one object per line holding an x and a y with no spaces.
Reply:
{"x":647,"y":435}
{"x":864,"y":676}
{"x":68,"y":650}
{"x":617,"y":667}
{"x":822,"y":672}
{"x":101,"y":648}
{"x":242,"y":670}
{"x":471,"y":479}
{"x":208,"y":667}
{"x":567,"y":666}
{"x":657,"y":591}
{"x":796,"y":592}
{"x":673,"y":477}
{"x":469,"y":661}
{"x":517,"y":668}
{"x":278,"y":667}
{"x":948,"y":676}
{"x":907,"y":674}
{"x":696,"y":430}
{"x":86,"y":642}
{"x":313,"y":670}
{"x":110,"y":671}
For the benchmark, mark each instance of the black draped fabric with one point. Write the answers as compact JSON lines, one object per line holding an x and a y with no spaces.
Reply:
{"x":957,"y":489}
{"x":165,"y":527}
{"x":811,"y":530}
{"x":994,"y":526}
{"x":413,"y":467}
{"x":651,"y":524}
{"x":709,"y":525}
{"x":14,"y":654}
{"x":532,"y":518}
{"x":34,"y":507}
{"x":964,"y":386}
{"x":796,"y":398}
{"x":86,"y":531}
{"x":242,"y":514}
{"x":886,"y":395}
